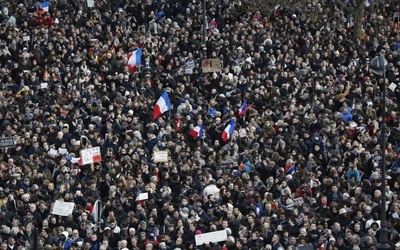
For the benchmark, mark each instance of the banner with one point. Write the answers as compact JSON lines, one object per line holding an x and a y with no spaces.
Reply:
{"x":213,"y":237}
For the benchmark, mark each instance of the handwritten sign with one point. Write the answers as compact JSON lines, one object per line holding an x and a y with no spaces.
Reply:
{"x":7,"y":142}
{"x":63,"y":208}
{"x":161,"y":156}
{"x":242,"y":132}
{"x":211,"y":237}
{"x":90,"y":3}
{"x":211,"y":65}
{"x":90,"y":155}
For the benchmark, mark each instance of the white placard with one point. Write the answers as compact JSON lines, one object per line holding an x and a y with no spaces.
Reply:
{"x":90,"y":155}
{"x":242,"y":132}
{"x":44,"y":85}
{"x":62,"y":151}
{"x":142,"y":197}
{"x":213,"y":237}
{"x":53,"y":152}
{"x":161,"y":156}
{"x":63,"y":208}
{"x":393,"y":86}
{"x":90,"y":3}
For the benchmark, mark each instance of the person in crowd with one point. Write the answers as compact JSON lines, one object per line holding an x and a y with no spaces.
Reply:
{"x":129,"y":125}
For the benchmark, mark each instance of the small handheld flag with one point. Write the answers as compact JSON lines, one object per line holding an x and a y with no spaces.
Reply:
{"x":134,"y":59}
{"x":243,"y":108}
{"x":197,"y":131}
{"x":228,"y":131}
{"x":163,"y":104}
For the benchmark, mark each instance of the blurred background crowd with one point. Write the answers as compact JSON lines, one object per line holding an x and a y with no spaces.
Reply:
{"x":301,"y":169}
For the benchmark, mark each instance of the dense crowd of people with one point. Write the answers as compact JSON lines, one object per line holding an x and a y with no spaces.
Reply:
{"x":302,"y":167}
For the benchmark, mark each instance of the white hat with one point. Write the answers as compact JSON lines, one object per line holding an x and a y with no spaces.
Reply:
{"x":342,"y":211}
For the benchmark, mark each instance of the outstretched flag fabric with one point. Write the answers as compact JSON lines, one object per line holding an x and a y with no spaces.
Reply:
{"x":197,"y":131}
{"x":228,"y":131}
{"x":395,"y":166}
{"x":243,"y":108}
{"x":134,"y":59}
{"x":45,"y":6}
{"x":291,"y":169}
{"x":163,"y":104}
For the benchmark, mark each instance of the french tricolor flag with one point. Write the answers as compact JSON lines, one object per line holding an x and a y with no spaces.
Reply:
{"x":163,"y":104}
{"x":243,"y":108}
{"x":197,"y":131}
{"x":228,"y":131}
{"x":291,"y":169}
{"x":134,"y":59}
{"x":45,"y":6}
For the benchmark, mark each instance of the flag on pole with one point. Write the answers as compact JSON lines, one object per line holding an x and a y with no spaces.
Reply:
{"x":228,"y":131}
{"x":243,"y":108}
{"x":197,"y":131}
{"x":96,"y":214}
{"x":163,"y":104}
{"x":134,"y":59}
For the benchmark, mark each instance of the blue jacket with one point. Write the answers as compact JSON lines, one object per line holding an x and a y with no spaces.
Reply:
{"x":67,"y":244}
{"x":355,"y":174}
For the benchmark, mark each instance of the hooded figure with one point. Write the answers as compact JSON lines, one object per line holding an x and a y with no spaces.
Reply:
{"x":64,"y":240}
